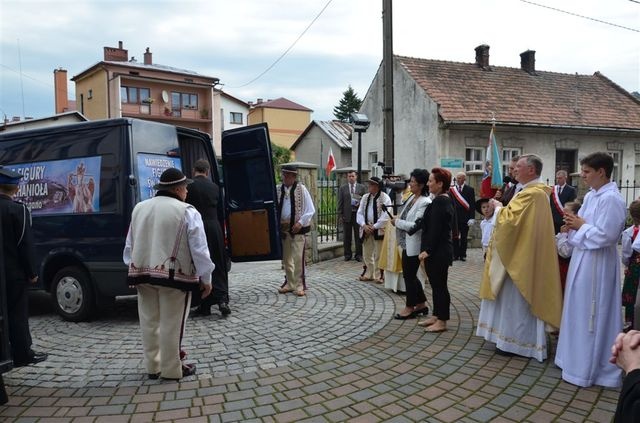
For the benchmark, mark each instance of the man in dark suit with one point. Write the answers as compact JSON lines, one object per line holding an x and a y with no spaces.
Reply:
{"x":464,"y":198}
{"x":19,"y":268}
{"x":510,"y":184}
{"x":349,"y":196}
{"x":562,"y":194}
{"x":203,"y":195}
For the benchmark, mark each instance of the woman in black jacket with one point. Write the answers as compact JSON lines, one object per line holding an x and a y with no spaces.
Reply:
{"x":437,"y":247}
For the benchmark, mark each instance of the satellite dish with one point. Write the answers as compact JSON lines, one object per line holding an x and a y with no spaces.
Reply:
{"x":165,"y":96}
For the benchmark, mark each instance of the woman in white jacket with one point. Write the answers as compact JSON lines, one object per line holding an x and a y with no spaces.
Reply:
{"x":408,"y":227}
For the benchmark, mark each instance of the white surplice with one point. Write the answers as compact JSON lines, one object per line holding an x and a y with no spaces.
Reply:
{"x":592,"y":316}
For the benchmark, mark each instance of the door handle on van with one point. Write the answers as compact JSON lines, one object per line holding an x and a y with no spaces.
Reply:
{"x":268,"y":202}
{"x":132,"y":180}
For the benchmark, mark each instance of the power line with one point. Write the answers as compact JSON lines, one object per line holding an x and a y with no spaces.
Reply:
{"x":287,"y":50}
{"x":581,"y":16}
{"x":48,"y":84}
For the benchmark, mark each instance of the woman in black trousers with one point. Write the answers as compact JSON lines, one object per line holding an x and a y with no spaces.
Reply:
{"x":408,"y":230}
{"x":437,"y":247}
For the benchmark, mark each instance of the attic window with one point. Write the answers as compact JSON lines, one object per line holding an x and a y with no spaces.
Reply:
{"x":134,"y":73}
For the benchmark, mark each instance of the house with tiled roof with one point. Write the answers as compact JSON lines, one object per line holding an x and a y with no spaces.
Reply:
{"x":285,"y":118}
{"x":443,"y":112}
{"x":312,"y":146}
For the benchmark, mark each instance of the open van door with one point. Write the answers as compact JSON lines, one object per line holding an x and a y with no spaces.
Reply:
{"x":250,"y":195}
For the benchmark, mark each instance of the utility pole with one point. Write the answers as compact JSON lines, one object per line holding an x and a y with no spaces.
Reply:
{"x":387,"y":64}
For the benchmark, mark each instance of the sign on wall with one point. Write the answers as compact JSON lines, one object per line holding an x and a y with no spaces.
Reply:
{"x":450,"y":162}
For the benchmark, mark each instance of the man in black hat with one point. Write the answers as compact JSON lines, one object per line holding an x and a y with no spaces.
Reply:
{"x":166,"y":251}
{"x":19,"y":269}
{"x":372,"y":218}
{"x":295,"y":210}
{"x":204,"y":195}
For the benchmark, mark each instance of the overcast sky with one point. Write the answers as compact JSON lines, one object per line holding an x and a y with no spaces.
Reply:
{"x":236,"y":40}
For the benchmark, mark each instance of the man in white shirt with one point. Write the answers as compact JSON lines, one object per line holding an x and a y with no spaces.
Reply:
{"x":168,"y":258}
{"x":295,"y":209}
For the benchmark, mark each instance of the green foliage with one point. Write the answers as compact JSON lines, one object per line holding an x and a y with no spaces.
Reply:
{"x":350,"y":103}
{"x":279,"y":156}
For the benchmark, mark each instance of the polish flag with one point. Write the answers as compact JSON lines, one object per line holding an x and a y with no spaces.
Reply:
{"x":331,"y":162}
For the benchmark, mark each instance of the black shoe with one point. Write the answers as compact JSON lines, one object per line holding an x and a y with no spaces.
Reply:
{"x":424,"y":311}
{"x":398,"y":316}
{"x":505,"y":353}
{"x":359,"y":258}
{"x":347,"y":258}
{"x":203,"y":310}
{"x":463,"y":259}
{"x":154,"y":376}
{"x":187,"y":370}
{"x":36,"y":358}
{"x":224,"y":309}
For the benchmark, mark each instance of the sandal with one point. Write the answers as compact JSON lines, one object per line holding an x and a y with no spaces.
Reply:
{"x":363,"y":279}
{"x":284,"y":290}
{"x":428,"y":322}
{"x":300,"y":293}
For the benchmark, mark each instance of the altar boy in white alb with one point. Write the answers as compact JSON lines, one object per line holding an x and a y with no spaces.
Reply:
{"x":591,"y":316}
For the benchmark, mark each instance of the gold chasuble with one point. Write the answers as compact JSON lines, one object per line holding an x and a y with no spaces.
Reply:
{"x":523,"y":246}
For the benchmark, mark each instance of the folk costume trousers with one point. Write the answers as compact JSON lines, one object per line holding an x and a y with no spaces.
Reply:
{"x":371,"y":255}
{"x":163,"y":314}
{"x":293,"y":260}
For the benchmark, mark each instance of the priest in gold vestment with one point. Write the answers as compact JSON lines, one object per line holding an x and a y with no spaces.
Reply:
{"x":520,"y":287}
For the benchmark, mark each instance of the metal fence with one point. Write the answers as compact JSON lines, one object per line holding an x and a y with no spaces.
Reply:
{"x":326,"y":211}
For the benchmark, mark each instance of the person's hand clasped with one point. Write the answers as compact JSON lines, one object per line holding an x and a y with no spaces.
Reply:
{"x":573,"y":221}
{"x":470,"y":222}
{"x":625,"y":352}
{"x":423,"y":255}
{"x":296,"y":228}
{"x":34,"y":279}
{"x":206,"y":289}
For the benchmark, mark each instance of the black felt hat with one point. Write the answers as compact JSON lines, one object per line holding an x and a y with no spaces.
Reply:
{"x":479,"y":204}
{"x":9,"y":177}
{"x":171,"y":178}
{"x":289,"y":169}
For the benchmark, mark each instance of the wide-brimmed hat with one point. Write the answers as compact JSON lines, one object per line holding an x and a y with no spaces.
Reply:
{"x":171,"y":178}
{"x":479,"y":204}
{"x":9,"y":177}
{"x":289,"y":169}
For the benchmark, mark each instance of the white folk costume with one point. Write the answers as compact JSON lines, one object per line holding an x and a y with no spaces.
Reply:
{"x":372,"y":212}
{"x":294,"y":206}
{"x":520,"y":287}
{"x":167,"y":254}
{"x":592,"y":318}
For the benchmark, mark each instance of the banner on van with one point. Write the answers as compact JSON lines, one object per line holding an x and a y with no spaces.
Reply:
{"x":150,"y":167}
{"x":60,"y":186}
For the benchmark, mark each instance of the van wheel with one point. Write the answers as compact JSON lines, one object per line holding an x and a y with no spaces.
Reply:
{"x":73,"y":294}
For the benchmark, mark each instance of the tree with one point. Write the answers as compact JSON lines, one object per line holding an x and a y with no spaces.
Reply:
{"x":280,"y":155}
{"x":350,"y":103}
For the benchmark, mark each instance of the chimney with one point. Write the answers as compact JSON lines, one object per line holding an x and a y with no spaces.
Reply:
{"x":15,"y":119}
{"x":113,"y":54}
{"x":482,"y":56}
{"x":528,"y":61}
{"x":147,"y":57}
{"x":61,"y":96}
{"x":259,"y":101}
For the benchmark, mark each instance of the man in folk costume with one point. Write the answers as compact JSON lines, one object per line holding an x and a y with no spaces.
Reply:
{"x":295,"y":208}
{"x":591,"y":317}
{"x":520,"y":288}
{"x":166,"y":251}
{"x":562,"y":193}
{"x":372,"y":218}
{"x":464,"y":199}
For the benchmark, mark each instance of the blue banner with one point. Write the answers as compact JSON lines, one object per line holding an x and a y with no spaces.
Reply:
{"x":150,"y":167}
{"x":60,"y":186}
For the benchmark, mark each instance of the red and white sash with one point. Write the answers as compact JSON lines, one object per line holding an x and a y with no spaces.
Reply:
{"x":458,"y":196}
{"x":556,"y":200}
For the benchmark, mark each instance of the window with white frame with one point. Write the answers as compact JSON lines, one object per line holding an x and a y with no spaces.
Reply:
{"x":616,"y":175}
{"x":474,"y":158}
{"x":373,"y":163}
{"x":507,"y":155}
{"x":236,"y":118}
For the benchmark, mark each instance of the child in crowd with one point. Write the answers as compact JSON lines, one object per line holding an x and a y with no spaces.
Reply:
{"x":562,"y":243}
{"x":484,"y":207}
{"x":631,"y":260}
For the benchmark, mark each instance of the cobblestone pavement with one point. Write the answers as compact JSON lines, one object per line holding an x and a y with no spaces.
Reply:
{"x":334,"y":355}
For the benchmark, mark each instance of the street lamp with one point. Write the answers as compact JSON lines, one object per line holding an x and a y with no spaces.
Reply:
{"x":360,"y":123}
